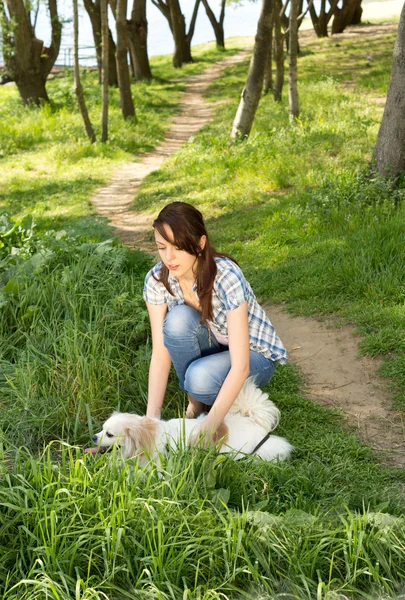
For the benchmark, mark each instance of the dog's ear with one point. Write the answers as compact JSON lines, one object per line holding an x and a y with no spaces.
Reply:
{"x":139,"y":437}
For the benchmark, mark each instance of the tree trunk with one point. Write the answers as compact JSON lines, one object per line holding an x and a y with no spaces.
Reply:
{"x":178,"y":26}
{"x":356,"y":20}
{"x":344,"y":16}
{"x":217,"y":26}
{"x":77,"y":84}
{"x":389,"y":153}
{"x":171,"y":10}
{"x":104,"y":70}
{"x":127,"y":105}
{"x":187,"y":58}
{"x":321,"y":22}
{"x":252,"y":91}
{"x":93,"y":10}
{"x":268,"y":71}
{"x":26,"y":59}
{"x":137,"y":38}
{"x":292,"y":61}
{"x":278,"y":53}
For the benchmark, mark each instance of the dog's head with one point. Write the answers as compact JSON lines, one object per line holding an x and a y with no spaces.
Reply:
{"x":135,"y":435}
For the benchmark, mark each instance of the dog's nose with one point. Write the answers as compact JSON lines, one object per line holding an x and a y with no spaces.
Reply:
{"x":95,"y":438}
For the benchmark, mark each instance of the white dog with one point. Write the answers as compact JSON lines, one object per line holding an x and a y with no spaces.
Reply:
{"x":250,"y":419}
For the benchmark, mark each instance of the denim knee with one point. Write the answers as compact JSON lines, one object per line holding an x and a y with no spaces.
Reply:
{"x":201,"y":382}
{"x":182,"y":321}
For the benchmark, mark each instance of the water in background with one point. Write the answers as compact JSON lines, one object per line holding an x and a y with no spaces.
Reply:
{"x":240,"y":20}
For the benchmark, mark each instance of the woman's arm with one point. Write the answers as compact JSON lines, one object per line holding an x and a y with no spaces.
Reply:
{"x":160,"y":362}
{"x":238,"y":336}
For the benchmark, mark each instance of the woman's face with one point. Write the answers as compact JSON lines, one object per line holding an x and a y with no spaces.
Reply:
{"x":179,"y":262}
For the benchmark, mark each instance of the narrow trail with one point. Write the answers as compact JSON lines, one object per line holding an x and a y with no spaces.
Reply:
{"x":327,"y":355}
{"x":114,"y":200}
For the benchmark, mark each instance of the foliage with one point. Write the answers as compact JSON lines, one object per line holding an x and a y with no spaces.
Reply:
{"x":309,"y":225}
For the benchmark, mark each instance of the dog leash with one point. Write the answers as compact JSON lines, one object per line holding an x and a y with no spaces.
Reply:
{"x":260,"y":444}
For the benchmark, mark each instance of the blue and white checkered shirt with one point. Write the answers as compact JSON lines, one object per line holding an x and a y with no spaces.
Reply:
{"x":230,"y":291}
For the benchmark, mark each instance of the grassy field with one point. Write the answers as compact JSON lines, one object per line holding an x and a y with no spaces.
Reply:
{"x":296,"y":205}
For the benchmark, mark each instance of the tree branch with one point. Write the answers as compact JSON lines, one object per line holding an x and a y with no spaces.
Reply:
{"x":193,"y":20}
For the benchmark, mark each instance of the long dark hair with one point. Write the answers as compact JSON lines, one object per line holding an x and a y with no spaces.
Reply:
{"x":187,"y":225}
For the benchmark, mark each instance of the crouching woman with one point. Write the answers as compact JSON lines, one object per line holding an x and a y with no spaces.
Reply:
{"x":205,"y":320}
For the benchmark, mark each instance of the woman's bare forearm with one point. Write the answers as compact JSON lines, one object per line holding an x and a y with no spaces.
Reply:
{"x":158,"y":375}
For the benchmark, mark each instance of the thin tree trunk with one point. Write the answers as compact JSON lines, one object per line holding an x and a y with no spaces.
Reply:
{"x":252,"y":91}
{"x":268,"y":71}
{"x":217,"y":26}
{"x":93,"y":10}
{"x":389,"y":151}
{"x":104,"y":70}
{"x":137,"y":38}
{"x":292,"y":61}
{"x":77,"y":84}
{"x":278,"y":53}
{"x":127,"y":105}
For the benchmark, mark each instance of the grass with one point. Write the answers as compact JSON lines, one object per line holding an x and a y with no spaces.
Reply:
{"x":297,"y":207}
{"x":47,"y":165}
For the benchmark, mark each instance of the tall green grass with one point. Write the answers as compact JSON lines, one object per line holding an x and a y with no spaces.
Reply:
{"x":297,"y":207}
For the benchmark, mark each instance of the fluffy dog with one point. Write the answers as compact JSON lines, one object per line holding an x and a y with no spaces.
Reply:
{"x":248,"y":421}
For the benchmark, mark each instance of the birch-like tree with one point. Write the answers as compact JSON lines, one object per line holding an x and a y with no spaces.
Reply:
{"x":254,"y":84}
{"x":389,"y":153}
{"x":77,"y":83}
{"x":27,"y":60}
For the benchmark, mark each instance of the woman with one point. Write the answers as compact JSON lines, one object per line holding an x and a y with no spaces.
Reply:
{"x":205,"y":319}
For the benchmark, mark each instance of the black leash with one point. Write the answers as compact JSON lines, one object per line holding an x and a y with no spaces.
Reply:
{"x":260,"y":444}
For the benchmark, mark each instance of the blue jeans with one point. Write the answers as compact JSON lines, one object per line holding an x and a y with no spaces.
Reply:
{"x":200,"y":361}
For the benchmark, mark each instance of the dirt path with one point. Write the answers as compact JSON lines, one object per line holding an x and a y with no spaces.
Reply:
{"x":336,"y":376}
{"x":327,"y":355}
{"x":114,"y":200}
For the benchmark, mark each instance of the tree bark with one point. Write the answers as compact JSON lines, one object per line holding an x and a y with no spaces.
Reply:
{"x":268,"y":71}
{"x":389,"y":152}
{"x":292,"y":61}
{"x":252,"y":91}
{"x":124,"y":83}
{"x":321,"y":21}
{"x":278,"y":53}
{"x":217,"y":26}
{"x":26,"y":59}
{"x":77,"y":84}
{"x":137,"y":39}
{"x":344,"y":16}
{"x":104,"y":70}
{"x":171,"y":10}
{"x":93,"y":10}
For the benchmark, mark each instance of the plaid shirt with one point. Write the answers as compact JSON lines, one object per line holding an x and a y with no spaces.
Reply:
{"x":230,"y":291}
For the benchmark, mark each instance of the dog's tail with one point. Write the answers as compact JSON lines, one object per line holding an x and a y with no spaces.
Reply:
{"x":252,"y":402}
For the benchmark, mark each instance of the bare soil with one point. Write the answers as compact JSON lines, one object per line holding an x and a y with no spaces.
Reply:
{"x":327,"y":355}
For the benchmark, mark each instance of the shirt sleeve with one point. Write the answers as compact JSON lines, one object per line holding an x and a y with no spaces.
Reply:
{"x":154,"y":292}
{"x":233,"y":288}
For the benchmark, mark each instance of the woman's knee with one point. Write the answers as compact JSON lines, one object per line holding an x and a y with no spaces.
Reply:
{"x":201,"y":383}
{"x":182,"y":321}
